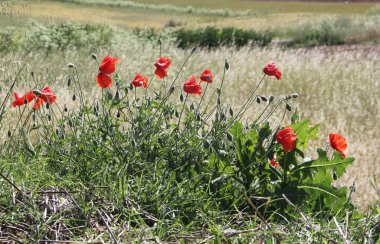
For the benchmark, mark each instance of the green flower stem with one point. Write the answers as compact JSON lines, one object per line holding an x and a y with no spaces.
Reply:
{"x":200,"y":102}
{"x":183,"y":108}
{"x":245,"y":107}
{"x":285,"y":169}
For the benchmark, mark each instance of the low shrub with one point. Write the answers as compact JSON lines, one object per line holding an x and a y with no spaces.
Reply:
{"x":211,"y":37}
{"x":51,"y":37}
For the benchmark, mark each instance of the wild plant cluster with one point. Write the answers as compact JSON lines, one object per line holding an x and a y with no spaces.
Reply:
{"x":142,"y":160}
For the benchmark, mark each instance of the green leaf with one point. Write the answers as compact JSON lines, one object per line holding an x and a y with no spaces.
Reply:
{"x":305,"y":132}
{"x":337,"y":164}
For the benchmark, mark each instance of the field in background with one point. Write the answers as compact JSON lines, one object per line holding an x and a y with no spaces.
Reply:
{"x":338,"y":86}
{"x":148,"y":14}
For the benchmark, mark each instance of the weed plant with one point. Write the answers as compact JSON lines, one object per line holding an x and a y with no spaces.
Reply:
{"x":150,"y":164}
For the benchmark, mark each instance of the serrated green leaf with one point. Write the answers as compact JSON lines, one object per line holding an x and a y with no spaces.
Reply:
{"x":305,"y":132}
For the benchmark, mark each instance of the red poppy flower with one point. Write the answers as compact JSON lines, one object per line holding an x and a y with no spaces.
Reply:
{"x":162,"y":64}
{"x":160,"y":73}
{"x":46,"y":95}
{"x":274,"y":163}
{"x":339,"y":143}
{"x":21,"y":99}
{"x":207,"y":76}
{"x":287,"y":139}
{"x":104,"y":81}
{"x":191,"y":86}
{"x":271,"y":70}
{"x":140,"y":80}
{"x":107,"y":66}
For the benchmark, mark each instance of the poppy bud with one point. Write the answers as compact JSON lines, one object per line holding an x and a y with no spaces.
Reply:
{"x":68,"y":82}
{"x":36,"y":92}
{"x":65,"y":108}
{"x":222,"y":116}
{"x":159,"y":41}
{"x":74,"y":97}
{"x":334,"y":175}
{"x":229,"y":137}
{"x":118,"y":114}
{"x":109,"y":95}
{"x":226,"y":65}
{"x":9,"y":133}
{"x":191,"y":107}
{"x":171,"y":90}
{"x":176,"y":114}
{"x":288,"y":107}
{"x":25,"y":100}
{"x":181,"y":98}
{"x":193,"y":50}
{"x":32,"y":74}
{"x":218,"y":91}
{"x":117,"y":95}
{"x":70,"y":65}
{"x":57,"y":131}
{"x":264,"y":98}
{"x":231,"y":112}
{"x":49,"y":117}
{"x":271,"y":98}
{"x":218,"y":101}
{"x":47,"y":105}
{"x":294,"y":95}
{"x":258,"y":100}
{"x":198,"y":117}
{"x":93,"y":56}
{"x":131,"y":86}
{"x":33,"y":117}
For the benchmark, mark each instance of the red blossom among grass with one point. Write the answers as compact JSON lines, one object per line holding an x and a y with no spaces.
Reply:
{"x":104,"y":81}
{"x":162,"y":64}
{"x":140,"y":80}
{"x":339,"y":143}
{"x":23,"y":99}
{"x":271,"y":70}
{"x":106,"y":67}
{"x":287,"y":139}
{"x":192,"y":87}
{"x":46,"y":95}
{"x":207,"y":76}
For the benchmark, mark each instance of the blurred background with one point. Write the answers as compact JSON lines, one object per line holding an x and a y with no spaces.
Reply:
{"x":328,"y":52}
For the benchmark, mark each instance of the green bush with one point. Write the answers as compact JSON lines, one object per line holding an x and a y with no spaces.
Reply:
{"x":55,"y":37}
{"x":322,"y":33}
{"x":211,"y":37}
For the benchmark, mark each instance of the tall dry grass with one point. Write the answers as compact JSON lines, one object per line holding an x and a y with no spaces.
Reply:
{"x":338,"y":87}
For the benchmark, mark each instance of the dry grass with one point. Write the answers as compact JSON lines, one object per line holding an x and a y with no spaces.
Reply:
{"x":338,"y":87}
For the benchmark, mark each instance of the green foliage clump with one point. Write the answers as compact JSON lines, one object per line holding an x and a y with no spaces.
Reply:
{"x":320,"y":33}
{"x":65,"y":36}
{"x":163,"y":166}
{"x":211,"y":37}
